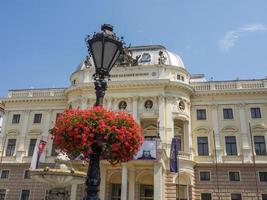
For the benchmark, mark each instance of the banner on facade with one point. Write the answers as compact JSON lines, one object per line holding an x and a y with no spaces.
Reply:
{"x":148,"y":151}
{"x":174,"y":165}
{"x":38,"y":150}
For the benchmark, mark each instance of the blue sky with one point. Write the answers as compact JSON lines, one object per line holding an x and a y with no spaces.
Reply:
{"x":42,"y":42}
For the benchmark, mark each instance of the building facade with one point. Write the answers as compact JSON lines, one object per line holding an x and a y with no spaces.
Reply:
{"x":221,"y":126}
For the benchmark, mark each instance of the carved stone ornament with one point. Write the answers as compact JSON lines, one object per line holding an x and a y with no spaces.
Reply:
{"x":162,"y":59}
{"x":146,"y":57}
{"x":148,"y":104}
{"x":181,"y":105}
{"x":122,"y":105}
{"x":126,"y":58}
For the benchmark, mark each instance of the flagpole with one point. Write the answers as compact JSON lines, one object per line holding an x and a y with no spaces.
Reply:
{"x":216,"y":165}
{"x":253,"y":159}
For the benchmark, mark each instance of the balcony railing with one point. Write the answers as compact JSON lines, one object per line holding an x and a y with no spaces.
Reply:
{"x":31,"y":93}
{"x":229,"y":85}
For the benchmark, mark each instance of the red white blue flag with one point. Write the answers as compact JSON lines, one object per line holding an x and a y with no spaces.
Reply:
{"x":39,"y":149}
{"x":174,"y":166}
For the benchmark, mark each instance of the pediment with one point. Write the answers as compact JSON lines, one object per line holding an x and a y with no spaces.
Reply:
{"x":229,"y":129}
{"x":202,"y":130}
{"x":35,"y":132}
{"x":259,"y":128}
{"x":13,"y":132}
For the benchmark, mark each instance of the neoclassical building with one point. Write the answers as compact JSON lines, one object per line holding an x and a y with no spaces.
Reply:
{"x":221,"y":126}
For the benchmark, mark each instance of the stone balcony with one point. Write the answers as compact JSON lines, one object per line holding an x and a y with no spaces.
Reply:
{"x":229,"y":85}
{"x":36,"y":93}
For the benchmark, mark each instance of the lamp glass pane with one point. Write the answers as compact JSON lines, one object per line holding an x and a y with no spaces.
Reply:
{"x":109,"y":51}
{"x":97,"y":53}
{"x":115,"y":58}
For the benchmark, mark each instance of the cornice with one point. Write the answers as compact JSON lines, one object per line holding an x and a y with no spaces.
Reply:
{"x":15,"y":100}
{"x":135,"y":84}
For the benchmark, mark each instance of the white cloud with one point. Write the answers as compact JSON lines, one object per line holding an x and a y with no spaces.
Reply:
{"x":231,"y":37}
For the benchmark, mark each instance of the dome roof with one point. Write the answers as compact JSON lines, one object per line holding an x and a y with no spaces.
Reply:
{"x":147,"y":55}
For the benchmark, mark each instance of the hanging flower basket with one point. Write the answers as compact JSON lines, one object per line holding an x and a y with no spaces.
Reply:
{"x":114,"y":136}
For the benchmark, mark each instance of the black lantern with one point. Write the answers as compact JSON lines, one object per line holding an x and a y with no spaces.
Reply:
{"x":105,"y":49}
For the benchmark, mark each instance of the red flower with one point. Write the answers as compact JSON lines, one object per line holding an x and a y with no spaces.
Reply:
{"x":117,"y":135}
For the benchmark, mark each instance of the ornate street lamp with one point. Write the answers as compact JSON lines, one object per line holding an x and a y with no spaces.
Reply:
{"x":105,"y":49}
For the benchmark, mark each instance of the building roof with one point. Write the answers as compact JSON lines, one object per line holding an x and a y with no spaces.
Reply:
{"x":148,"y":55}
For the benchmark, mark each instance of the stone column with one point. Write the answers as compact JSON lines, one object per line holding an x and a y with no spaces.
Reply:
{"x":84,"y":103}
{"x":135,"y":108}
{"x":215,"y":125}
{"x":3,"y":135}
{"x":124,"y":182}
{"x":103,"y":173}
{"x":161,"y":116}
{"x":187,"y":138}
{"x":109,"y":102}
{"x":131,"y":183}
{"x":169,"y":120}
{"x":244,"y":133}
{"x":158,"y":182}
{"x":21,"y":147}
{"x":73,"y":193}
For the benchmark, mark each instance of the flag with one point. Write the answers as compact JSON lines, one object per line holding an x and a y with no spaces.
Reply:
{"x":174,"y":154}
{"x":38,"y":150}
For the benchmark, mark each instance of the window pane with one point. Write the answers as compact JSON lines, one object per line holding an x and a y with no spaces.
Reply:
{"x":27,"y":174}
{"x":203,"y":148}
{"x":259,"y":144}
{"x":54,"y":148}
{"x":2,"y":194}
{"x":146,"y":192}
{"x":16,"y":118}
{"x":5,"y":174}
{"x":116,"y":191}
{"x":230,"y":143}
{"x":263,"y":176}
{"x":31,"y":147}
{"x":201,"y":114}
{"x":234,"y":176}
{"x":37,"y":118}
{"x":204,"y":176}
{"x":25,"y":195}
{"x":10,"y":150}
{"x":228,"y":113}
{"x":205,"y":196}
{"x":181,"y":192}
{"x":255,"y":112}
{"x":235,"y":196}
{"x":264,"y":196}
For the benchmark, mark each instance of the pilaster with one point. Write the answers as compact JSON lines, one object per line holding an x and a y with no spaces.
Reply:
{"x":161,"y":116}
{"x":124,"y":181}
{"x":103,"y":173}
{"x":158,"y":182}
{"x":131,"y":183}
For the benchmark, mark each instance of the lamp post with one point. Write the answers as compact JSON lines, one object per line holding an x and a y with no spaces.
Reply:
{"x":105,"y":48}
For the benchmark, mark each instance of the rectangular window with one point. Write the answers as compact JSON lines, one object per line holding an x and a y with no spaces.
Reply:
{"x":234,"y":176}
{"x":203,"y":147}
{"x":146,"y":192}
{"x":264,"y":196}
{"x":15,"y":118}
{"x":259,"y":144}
{"x":115,"y":191}
{"x":204,"y":176}
{"x":236,"y":196}
{"x":205,"y":196}
{"x":228,"y":113}
{"x":230,"y":144}
{"x":201,"y":114}
{"x":2,"y":194}
{"x":5,"y":174}
{"x":263,"y":176}
{"x":54,"y":148}
{"x":181,"y":192}
{"x":57,"y":116}
{"x":255,"y":112}
{"x":27,"y":174}
{"x":31,"y":147}
{"x":25,"y":195}
{"x":11,"y":145}
{"x":37,"y":118}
